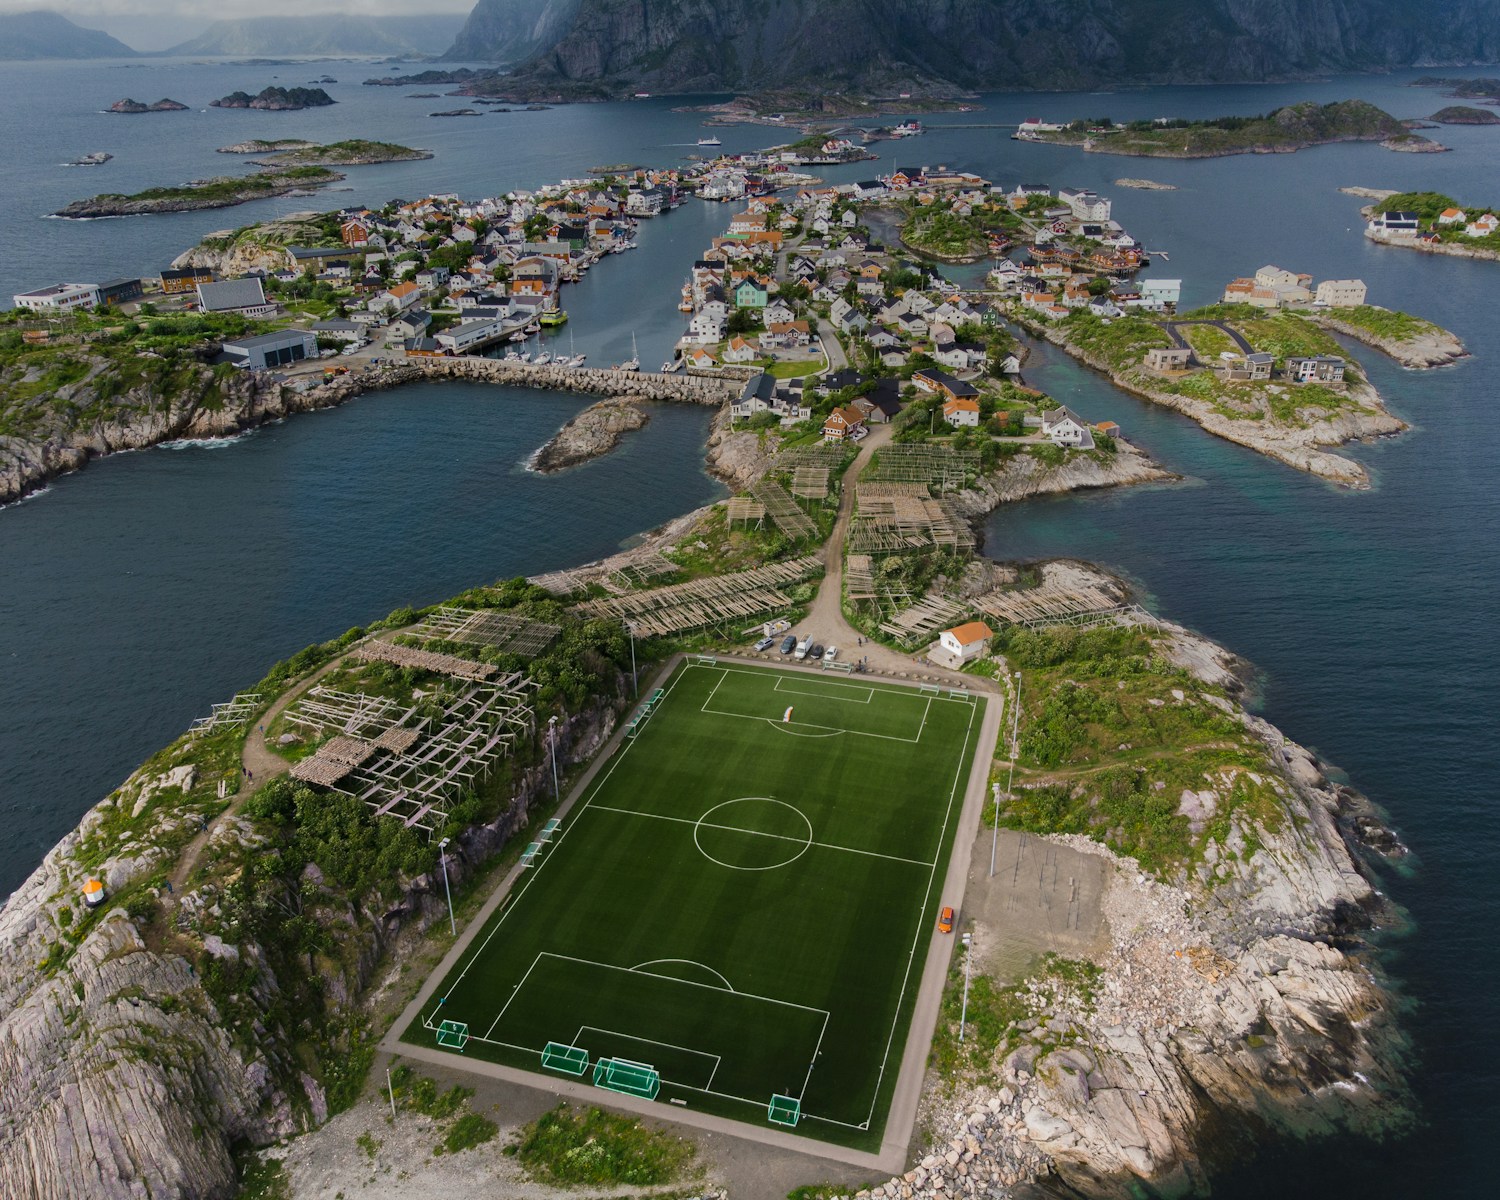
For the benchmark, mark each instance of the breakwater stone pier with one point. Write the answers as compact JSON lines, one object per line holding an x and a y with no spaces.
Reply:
{"x":601,"y":381}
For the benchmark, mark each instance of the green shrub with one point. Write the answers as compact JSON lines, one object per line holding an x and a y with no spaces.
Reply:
{"x":592,"y":1147}
{"x":468,"y":1131}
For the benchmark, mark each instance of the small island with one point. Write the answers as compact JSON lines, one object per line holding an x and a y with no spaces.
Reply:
{"x":1462,"y":114}
{"x":1462,"y":89}
{"x":354,"y":152}
{"x":1146,"y":185}
{"x":1434,"y":223}
{"x":221,"y":192}
{"x":1281,"y":132}
{"x":264,"y":146}
{"x":275,"y":99}
{"x":595,"y":431}
{"x":129,"y":106}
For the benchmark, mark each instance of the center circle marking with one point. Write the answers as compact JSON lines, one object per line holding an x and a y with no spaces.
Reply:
{"x":784,"y":848}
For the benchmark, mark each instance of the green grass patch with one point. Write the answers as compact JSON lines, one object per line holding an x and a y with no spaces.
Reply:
{"x":1384,"y":322}
{"x":468,"y":1131}
{"x":589,"y":1147}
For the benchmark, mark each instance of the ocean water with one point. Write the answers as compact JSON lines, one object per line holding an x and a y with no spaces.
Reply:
{"x":140,"y":590}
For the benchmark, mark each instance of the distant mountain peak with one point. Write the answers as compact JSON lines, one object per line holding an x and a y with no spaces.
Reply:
{"x":41,"y":33}
{"x":323,"y":34}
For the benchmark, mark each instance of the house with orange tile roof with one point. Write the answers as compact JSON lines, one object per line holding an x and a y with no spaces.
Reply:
{"x":962,"y":413}
{"x":968,"y":641}
{"x":843,"y":423}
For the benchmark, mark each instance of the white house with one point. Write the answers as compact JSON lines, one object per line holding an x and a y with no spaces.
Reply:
{"x":60,"y":297}
{"x":470,"y":333}
{"x":778,"y":312}
{"x":1085,"y":205}
{"x":968,"y":641}
{"x":1156,"y":294}
{"x":1062,"y":428}
{"x":962,"y":413}
{"x":1340,"y":293}
{"x":1483,"y":226}
{"x":740,"y":350}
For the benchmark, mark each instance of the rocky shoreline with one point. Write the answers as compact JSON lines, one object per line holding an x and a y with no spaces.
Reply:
{"x":1438,"y":348}
{"x":594,"y":432}
{"x":1452,"y":249}
{"x":220,"y":409}
{"x":216,"y":193}
{"x":1301,"y":448}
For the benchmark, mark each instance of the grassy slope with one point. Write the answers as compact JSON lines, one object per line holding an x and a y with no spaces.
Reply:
{"x":790,"y":933}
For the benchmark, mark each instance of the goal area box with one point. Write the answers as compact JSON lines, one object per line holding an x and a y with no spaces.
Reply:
{"x":629,"y":1078}
{"x":570,"y":1060}
{"x":453,"y":1034}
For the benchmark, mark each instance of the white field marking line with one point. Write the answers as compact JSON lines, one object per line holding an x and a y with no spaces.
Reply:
{"x":921,"y":911}
{"x":786,"y":728}
{"x":830,"y":729}
{"x":756,"y":1104}
{"x":512,"y":902}
{"x":630,"y":812}
{"x":818,"y":1049}
{"x":631,"y":1037}
{"x":868,"y":691}
{"x":893,"y":691}
{"x":922,"y":728}
{"x":692,"y":962}
{"x":592,"y":962}
{"x":722,"y":677}
{"x":515,"y":991}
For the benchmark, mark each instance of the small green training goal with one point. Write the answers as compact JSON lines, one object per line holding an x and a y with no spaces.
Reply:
{"x":570,"y":1060}
{"x":629,"y":1078}
{"x":453,"y":1034}
{"x":784,"y":1110}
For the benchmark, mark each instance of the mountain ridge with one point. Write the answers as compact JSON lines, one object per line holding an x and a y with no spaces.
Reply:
{"x":41,"y":33}
{"x":729,"y":45}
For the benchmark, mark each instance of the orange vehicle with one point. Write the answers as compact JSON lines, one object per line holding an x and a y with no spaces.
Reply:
{"x":945,"y":921}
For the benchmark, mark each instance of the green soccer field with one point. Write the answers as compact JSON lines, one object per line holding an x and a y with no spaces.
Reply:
{"x":739,"y":906}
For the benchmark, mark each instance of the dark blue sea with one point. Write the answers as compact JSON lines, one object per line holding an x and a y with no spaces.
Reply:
{"x":136,"y":593}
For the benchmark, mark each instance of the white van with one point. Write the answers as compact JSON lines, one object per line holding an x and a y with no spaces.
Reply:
{"x":802,"y":648}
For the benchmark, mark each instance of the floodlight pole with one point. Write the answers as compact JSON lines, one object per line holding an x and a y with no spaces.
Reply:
{"x":443,"y":858}
{"x":635,"y":683}
{"x":995,"y":828}
{"x":963,"y":1015}
{"x":552,"y":746}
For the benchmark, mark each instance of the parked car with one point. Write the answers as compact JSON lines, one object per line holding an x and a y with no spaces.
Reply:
{"x":945,"y":921}
{"x":830,"y":654}
{"x":814,"y":652}
{"x":764,"y":644}
{"x":789,"y":643}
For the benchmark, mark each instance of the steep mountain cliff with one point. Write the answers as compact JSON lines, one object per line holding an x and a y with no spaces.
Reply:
{"x":717,"y":45}
{"x":43,"y":34}
{"x":513,"y":30}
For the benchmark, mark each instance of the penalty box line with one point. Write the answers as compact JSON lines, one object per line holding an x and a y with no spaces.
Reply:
{"x":823,"y":1012}
{"x":645,"y":1041}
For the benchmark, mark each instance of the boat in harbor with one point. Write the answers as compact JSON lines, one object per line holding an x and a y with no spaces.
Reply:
{"x":709,"y":141}
{"x":542,"y":359}
{"x":533,"y":327}
{"x":553,"y":317}
{"x":633,"y":363}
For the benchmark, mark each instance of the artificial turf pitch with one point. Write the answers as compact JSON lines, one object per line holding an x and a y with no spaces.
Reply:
{"x":740,"y":902}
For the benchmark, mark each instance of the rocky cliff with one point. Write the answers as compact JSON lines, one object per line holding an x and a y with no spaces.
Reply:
{"x":512,"y":30}
{"x":717,"y":45}
{"x":140,"y":1045}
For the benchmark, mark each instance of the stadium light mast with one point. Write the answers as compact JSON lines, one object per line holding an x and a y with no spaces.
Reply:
{"x":635,"y":683}
{"x":963,"y":1015}
{"x":552,"y":746}
{"x":448,"y":891}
